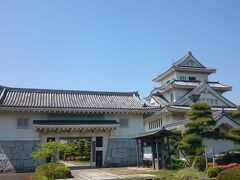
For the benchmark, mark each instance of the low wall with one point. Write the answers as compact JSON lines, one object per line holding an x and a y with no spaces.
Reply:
{"x":121,"y":152}
{"x":220,"y":145}
{"x":15,"y":156}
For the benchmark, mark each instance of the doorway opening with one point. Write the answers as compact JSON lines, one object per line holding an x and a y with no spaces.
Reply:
{"x":80,"y":156}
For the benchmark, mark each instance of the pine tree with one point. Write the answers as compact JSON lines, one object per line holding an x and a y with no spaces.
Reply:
{"x":198,"y":126}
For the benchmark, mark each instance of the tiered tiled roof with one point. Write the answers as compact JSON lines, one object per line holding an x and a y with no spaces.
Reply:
{"x":179,"y":66}
{"x":68,"y":100}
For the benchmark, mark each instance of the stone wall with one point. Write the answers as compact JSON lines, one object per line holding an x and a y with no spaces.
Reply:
{"x":121,"y":152}
{"x":15,"y":156}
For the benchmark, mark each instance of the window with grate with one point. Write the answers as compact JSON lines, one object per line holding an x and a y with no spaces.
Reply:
{"x":23,"y":123}
{"x":123,"y":123}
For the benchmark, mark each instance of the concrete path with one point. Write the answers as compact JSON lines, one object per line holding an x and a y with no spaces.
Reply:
{"x":80,"y":172}
{"x":100,"y":174}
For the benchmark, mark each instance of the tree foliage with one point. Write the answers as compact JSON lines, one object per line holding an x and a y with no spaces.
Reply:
{"x":198,"y":126}
{"x":237,"y":113}
{"x":50,"y":149}
{"x":80,"y":148}
{"x":234,"y":135}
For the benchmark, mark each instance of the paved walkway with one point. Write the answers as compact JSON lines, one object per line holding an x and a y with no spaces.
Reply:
{"x":81,"y":172}
{"x":100,"y":174}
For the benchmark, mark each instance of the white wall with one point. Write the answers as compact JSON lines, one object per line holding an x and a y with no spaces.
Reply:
{"x":199,"y":76}
{"x":220,"y":145}
{"x":135,"y":125}
{"x":170,"y":77}
{"x":9,"y":130}
{"x":167,"y":118}
{"x":180,"y":92}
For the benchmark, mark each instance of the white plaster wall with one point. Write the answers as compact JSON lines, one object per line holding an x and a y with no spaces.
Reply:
{"x":167,"y":118}
{"x":194,"y":63}
{"x":220,"y":145}
{"x":175,"y":118}
{"x":135,"y":125}
{"x":170,"y":77}
{"x":211,"y":96}
{"x":180,"y":92}
{"x":9,"y":130}
{"x":166,"y":95}
{"x":199,"y":76}
{"x":176,"y":94}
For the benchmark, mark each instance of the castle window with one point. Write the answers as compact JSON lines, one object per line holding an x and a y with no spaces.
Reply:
{"x":22,"y":123}
{"x":192,"y":78}
{"x":171,"y":97}
{"x":183,"y":78}
{"x":123,"y":123}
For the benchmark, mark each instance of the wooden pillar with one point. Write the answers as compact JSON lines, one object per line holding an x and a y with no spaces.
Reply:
{"x":157,"y":151}
{"x":137,"y":154}
{"x":142,"y":151}
{"x":153,"y":157}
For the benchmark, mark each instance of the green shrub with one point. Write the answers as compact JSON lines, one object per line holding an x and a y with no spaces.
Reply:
{"x":213,"y":172}
{"x":53,"y":171}
{"x":230,"y":174}
{"x":200,"y":163}
{"x":178,"y":164}
{"x":39,"y":178}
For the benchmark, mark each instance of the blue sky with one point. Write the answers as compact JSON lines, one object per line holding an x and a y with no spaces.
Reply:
{"x":115,"y":45}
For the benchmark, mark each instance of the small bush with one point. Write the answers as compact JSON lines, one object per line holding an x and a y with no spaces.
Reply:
{"x":53,"y":171}
{"x":178,"y":164}
{"x":39,"y":178}
{"x":200,"y":163}
{"x":230,"y":174}
{"x":213,"y":171}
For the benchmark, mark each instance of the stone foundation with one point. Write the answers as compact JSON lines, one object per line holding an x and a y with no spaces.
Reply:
{"x":15,"y":156}
{"x":121,"y":152}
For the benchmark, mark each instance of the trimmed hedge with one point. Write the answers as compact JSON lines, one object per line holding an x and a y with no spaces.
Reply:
{"x":200,"y":163}
{"x":230,"y":174}
{"x":213,"y":171}
{"x":53,"y":171}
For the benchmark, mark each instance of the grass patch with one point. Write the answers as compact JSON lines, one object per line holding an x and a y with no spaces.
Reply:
{"x":125,"y":171}
{"x":81,"y":163}
{"x":187,"y":173}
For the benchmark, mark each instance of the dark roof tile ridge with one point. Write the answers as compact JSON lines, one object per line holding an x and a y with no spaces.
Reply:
{"x":3,"y":95}
{"x":62,"y":91}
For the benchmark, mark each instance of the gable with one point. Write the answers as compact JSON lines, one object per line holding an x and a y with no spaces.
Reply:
{"x":225,"y":120}
{"x":191,"y":62}
{"x":153,"y":102}
{"x":207,"y":94}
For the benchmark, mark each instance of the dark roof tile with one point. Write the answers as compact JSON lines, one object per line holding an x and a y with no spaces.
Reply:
{"x":45,"y":98}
